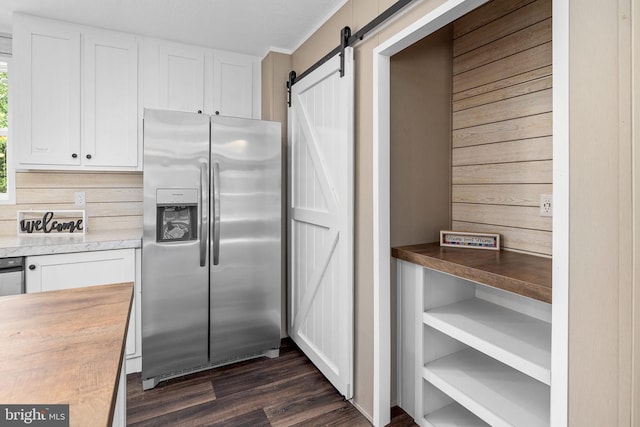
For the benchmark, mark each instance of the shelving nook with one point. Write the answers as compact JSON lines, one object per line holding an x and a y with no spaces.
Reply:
{"x":482,"y":355}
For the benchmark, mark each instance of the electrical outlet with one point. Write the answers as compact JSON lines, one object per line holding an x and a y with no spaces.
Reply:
{"x":546,"y":205}
{"x":81,"y":198}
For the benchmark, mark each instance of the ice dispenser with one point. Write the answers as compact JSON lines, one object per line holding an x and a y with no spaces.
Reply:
{"x":177,"y":213}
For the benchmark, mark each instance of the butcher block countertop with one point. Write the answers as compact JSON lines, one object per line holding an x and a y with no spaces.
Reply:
{"x":65,"y":347}
{"x":515,"y":272}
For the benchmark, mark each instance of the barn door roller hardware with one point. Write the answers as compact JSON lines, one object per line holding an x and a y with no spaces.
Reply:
{"x":345,"y":34}
{"x":346,"y":39}
{"x":292,"y":79}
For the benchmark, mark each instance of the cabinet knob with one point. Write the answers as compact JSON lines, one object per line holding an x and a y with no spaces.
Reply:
{"x":88,"y":156}
{"x":74,"y":155}
{"x":199,"y":111}
{"x":217,"y":113}
{"x":32,"y":267}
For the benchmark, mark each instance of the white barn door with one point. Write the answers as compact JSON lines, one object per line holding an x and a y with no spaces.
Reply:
{"x":320,"y":209}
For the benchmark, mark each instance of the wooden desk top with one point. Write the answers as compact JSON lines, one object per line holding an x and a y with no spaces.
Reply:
{"x":65,"y":347}
{"x":522,"y":274}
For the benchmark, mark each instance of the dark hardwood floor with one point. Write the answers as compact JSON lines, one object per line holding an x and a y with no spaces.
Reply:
{"x":285,"y":391}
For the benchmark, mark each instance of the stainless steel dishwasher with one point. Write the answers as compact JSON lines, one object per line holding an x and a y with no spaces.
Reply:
{"x":11,"y":276}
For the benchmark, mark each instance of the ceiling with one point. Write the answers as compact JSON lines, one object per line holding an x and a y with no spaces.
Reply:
{"x":247,"y":26}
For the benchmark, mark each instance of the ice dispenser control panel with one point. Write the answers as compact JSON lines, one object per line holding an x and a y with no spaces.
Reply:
{"x":177,"y":214}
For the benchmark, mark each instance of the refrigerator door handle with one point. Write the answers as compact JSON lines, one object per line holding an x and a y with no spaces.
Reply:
{"x":216,"y":213}
{"x":204,"y":179}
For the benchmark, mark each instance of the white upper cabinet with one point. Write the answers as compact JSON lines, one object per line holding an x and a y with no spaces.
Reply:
{"x":46,"y":108}
{"x":110,"y":101}
{"x":77,"y":97}
{"x":80,"y":92}
{"x":234,"y":85}
{"x":181,"y":77}
{"x":190,"y":78}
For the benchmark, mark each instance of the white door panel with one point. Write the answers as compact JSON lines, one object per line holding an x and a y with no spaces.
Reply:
{"x":321,"y":176}
{"x":233,"y":85}
{"x":181,"y":78}
{"x":110,"y":101}
{"x":47,"y":77}
{"x":75,"y":270}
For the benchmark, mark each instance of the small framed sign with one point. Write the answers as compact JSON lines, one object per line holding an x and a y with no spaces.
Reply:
{"x":51,"y":222}
{"x":463,"y":239}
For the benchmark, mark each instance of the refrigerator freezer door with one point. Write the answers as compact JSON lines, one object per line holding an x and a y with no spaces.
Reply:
{"x":175,"y":290}
{"x":245,"y":283}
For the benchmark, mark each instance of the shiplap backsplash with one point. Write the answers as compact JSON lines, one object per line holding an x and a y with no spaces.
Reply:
{"x":113,"y":200}
{"x":502,"y":128}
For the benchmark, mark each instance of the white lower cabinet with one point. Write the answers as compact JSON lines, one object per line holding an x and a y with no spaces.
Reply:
{"x":471,"y":354}
{"x":120,"y":412}
{"x":74,"y":270}
{"x":134,"y":336}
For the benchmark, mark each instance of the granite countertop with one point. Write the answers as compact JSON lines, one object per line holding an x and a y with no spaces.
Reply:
{"x":11,"y":246}
{"x":65,"y":347}
{"x":515,"y":272}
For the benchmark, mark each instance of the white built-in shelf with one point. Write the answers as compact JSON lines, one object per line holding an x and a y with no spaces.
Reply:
{"x":515,"y":339}
{"x":453,"y":415}
{"x":496,"y":393}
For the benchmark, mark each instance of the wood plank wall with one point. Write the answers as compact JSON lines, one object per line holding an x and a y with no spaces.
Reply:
{"x":502,"y":129}
{"x":113,"y":200}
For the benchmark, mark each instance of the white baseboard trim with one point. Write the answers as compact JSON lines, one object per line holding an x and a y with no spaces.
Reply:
{"x":134,"y":365}
{"x":362,"y":411}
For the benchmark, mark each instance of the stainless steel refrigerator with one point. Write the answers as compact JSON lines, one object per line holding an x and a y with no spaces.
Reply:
{"x":211,"y":242}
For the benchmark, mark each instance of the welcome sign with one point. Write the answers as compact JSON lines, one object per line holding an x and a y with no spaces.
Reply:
{"x":459,"y":239}
{"x":51,"y":222}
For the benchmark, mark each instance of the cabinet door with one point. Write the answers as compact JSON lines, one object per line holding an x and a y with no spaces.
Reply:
{"x":234,"y":85}
{"x":110,"y":101}
{"x":75,"y":270}
{"x":47,"y":78}
{"x":181,"y":72}
{"x":120,"y":411}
